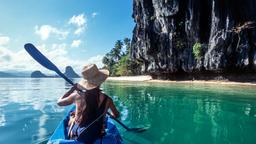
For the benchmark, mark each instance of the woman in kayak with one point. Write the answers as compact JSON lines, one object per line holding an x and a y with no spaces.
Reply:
{"x":87,"y":123}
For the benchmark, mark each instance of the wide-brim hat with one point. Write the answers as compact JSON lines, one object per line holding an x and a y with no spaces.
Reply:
{"x":92,"y":76}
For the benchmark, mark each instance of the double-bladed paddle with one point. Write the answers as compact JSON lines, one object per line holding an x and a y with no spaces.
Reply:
{"x":44,"y":61}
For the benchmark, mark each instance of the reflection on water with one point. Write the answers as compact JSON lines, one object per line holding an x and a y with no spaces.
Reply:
{"x":176,"y":113}
{"x":28,"y":110}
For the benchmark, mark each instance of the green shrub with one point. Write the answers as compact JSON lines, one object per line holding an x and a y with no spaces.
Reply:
{"x":197,"y":50}
{"x":153,"y":17}
{"x":123,"y":68}
{"x":179,"y":44}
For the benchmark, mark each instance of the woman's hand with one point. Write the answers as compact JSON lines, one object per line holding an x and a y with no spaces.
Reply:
{"x":75,"y":87}
{"x":68,"y":98}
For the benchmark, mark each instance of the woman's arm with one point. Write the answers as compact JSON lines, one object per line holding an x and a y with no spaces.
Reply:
{"x":113,"y":108}
{"x":68,"y":98}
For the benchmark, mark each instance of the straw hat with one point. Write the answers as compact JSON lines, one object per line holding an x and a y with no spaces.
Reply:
{"x":92,"y":76}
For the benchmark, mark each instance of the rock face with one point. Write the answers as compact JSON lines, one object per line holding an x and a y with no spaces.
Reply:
{"x":38,"y":74}
{"x":166,"y":31}
{"x":70,"y":73}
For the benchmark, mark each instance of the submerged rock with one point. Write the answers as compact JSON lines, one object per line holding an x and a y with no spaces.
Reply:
{"x":166,"y":31}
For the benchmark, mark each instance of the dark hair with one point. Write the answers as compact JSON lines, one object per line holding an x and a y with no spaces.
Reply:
{"x":89,"y":110}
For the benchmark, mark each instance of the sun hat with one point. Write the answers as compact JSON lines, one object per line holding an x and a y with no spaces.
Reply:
{"x":92,"y":76}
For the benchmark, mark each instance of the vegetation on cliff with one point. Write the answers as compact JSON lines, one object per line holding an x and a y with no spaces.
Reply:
{"x":197,"y":50}
{"x":118,"y":60}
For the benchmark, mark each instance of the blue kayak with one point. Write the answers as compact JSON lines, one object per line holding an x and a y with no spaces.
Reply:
{"x":60,"y":134}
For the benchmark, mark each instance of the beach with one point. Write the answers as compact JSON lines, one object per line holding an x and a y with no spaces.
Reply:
{"x":149,"y":79}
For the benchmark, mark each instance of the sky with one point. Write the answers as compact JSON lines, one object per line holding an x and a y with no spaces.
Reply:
{"x":68,"y":32}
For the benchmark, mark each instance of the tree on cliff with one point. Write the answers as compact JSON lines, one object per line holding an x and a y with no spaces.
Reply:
{"x":118,"y":61}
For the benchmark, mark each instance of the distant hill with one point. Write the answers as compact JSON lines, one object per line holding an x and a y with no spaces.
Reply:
{"x":70,"y":73}
{"x":6,"y":75}
{"x":14,"y":74}
{"x":38,"y":74}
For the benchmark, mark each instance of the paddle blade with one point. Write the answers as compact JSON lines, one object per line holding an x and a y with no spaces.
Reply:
{"x":44,"y":61}
{"x":40,"y":58}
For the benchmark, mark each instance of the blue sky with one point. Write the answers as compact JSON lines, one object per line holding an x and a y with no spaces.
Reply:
{"x":69,"y":32}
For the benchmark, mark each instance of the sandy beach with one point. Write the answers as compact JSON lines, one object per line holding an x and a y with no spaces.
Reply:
{"x":149,"y":79}
{"x":131,"y":78}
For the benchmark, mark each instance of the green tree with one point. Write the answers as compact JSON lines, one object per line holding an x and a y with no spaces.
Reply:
{"x":119,"y":63}
{"x":197,"y":50}
{"x":127,"y":43}
{"x":116,"y":51}
{"x":123,"y":68}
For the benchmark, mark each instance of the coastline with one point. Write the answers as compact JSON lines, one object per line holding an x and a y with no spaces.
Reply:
{"x":149,"y":79}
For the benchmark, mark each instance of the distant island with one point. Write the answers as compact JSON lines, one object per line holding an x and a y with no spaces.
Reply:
{"x":14,"y":74}
{"x":7,"y":75}
{"x":69,"y":72}
{"x":38,"y":74}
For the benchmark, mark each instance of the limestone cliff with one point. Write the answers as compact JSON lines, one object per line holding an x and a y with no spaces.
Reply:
{"x":166,"y":31}
{"x":70,"y":73}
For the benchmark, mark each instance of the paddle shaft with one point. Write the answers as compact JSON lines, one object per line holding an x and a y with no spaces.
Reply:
{"x":119,"y":122}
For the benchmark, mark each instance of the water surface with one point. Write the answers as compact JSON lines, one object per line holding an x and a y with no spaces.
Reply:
{"x":175,"y":113}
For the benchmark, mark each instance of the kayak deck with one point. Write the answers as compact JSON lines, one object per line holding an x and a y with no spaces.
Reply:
{"x":60,"y":134}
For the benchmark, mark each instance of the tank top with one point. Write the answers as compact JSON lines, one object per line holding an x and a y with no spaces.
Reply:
{"x":94,"y":129}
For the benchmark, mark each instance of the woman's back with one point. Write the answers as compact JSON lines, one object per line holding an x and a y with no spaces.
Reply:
{"x":87,"y":105}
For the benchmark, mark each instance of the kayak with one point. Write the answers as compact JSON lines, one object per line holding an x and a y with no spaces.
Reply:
{"x":60,"y":135}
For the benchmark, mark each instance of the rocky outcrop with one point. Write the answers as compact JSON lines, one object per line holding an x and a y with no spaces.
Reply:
{"x":166,"y":31}
{"x":38,"y":74}
{"x":70,"y":73}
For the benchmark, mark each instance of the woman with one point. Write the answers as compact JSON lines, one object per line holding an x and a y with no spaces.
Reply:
{"x":87,"y":123}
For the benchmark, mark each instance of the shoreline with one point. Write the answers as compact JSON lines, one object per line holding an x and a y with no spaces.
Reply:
{"x":149,"y":79}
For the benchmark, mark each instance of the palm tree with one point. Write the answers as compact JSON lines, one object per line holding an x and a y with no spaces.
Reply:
{"x":127,"y":43}
{"x":116,"y":51}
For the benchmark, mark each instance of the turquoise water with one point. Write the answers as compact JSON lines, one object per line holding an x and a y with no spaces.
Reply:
{"x":174,"y":113}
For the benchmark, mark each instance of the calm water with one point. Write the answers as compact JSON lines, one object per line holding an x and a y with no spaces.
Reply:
{"x":175,"y":113}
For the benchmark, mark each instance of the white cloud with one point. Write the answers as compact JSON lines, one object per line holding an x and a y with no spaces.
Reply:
{"x":94,"y":14}
{"x":80,"y":22}
{"x":45,"y":31}
{"x":79,"y":30}
{"x":4,"y":40}
{"x":76,"y":43}
{"x":21,"y":61}
{"x":96,"y":60}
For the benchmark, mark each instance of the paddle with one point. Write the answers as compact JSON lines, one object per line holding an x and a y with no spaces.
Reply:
{"x":44,"y":61}
{"x":128,"y":129}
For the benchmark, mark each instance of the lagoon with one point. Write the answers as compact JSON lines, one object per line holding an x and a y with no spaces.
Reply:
{"x":175,"y":113}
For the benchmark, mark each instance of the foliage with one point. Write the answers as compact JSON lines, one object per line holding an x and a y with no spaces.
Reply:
{"x":118,"y":62}
{"x":123,"y":66}
{"x":153,"y":17}
{"x":197,"y":50}
{"x":180,"y":44}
